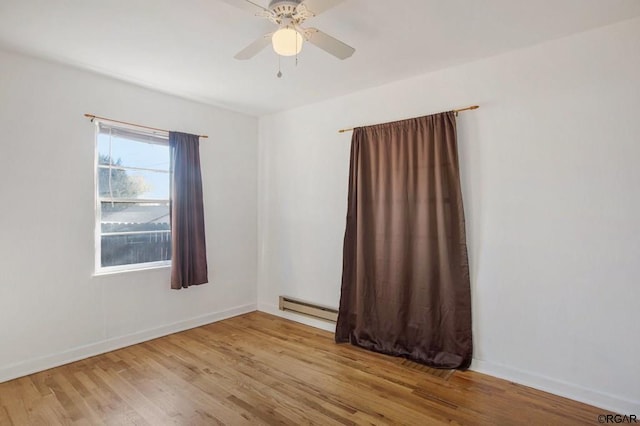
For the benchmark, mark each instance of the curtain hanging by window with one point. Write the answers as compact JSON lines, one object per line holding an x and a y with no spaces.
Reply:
{"x":189,"y":261}
{"x":405,"y":283}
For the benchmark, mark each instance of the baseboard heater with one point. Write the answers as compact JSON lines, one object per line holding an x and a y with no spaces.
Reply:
{"x":312,"y":310}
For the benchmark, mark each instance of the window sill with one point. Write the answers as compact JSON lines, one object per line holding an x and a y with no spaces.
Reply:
{"x":118,"y":271}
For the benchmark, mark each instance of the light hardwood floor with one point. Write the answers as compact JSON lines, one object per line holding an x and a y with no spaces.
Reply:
{"x":260,"y":369}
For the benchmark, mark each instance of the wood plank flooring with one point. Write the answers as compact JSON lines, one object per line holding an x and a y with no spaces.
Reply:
{"x":260,"y":369}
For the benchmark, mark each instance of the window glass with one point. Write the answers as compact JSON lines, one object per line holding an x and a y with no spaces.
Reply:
{"x":133,"y":180}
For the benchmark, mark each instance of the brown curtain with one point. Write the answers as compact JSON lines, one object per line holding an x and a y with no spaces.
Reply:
{"x":188,"y":246}
{"x":405,"y":279}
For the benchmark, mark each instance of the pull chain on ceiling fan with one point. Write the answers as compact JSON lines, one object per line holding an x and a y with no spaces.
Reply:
{"x":288,"y":40}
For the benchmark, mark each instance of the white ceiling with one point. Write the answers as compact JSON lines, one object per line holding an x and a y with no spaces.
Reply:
{"x":186,"y":47}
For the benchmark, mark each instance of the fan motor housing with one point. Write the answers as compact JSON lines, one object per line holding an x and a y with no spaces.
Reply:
{"x":284,"y":7}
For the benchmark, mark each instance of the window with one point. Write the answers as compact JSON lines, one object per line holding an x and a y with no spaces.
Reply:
{"x":133,"y":229}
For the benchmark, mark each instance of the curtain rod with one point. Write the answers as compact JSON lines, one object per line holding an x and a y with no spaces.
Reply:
{"x":94,"y":117}
{"x":455,"y":110}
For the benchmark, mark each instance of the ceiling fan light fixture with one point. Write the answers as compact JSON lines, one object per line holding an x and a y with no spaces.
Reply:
{"x":287,"y":42}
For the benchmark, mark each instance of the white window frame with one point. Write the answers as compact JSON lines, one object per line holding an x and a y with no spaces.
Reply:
{"x":107,"y":270}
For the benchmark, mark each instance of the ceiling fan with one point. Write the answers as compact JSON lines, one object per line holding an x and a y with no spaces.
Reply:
{"x":289,"y":15}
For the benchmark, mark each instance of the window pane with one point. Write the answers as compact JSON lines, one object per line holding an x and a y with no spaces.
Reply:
{"x":133,"y":164}
{"x":131,"y":153}
{"x":130,"y":249}
{"x":134,"y":217}
{"x":135,"y":233}
{"x":136,"y":184}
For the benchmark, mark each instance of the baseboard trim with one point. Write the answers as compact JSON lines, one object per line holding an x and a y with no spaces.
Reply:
{"x":598,"y":399}
{"x":546,"y":384}
{"x":46,"y":362}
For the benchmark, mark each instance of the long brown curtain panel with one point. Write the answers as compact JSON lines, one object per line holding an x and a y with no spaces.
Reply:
{"x":405,"y":281}
{"x":188,"y":246}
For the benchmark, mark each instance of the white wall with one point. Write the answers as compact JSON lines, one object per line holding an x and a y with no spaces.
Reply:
{"x":550,"y":182}
{"x":51,"y":308}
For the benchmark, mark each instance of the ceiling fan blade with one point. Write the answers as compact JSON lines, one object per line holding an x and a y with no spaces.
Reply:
{"x":329,"y":44}
{"x":247,"y":5}
{"x":319,"y":6}
{"x":254,"y":48}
